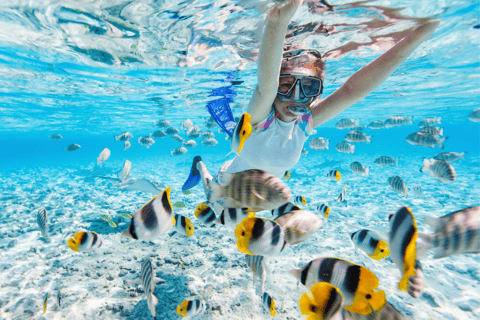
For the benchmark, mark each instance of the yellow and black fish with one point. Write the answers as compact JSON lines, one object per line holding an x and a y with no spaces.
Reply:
{"x":205,"y":214}
{"x":85,"y":241}
{"x":242,"y":131}
{"x":183,"y":225}
{"x":323,"y":209}
{"x":191,"y":308}
{"x":370,"y":242}
{"x":231,"y":217}
{"x":334,"y":175}
{"x":269,"y":304}
{"x":259,"y":236}
{"x":323,"y":303}
{"x":300,"y":200}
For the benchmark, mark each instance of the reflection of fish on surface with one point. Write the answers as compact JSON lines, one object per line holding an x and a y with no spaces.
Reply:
{"x":127,"y":145}
{"x":187,"y":124}
{"x":475,"y":115}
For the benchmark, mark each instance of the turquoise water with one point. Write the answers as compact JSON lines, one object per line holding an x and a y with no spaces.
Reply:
{"x":91,"y":71}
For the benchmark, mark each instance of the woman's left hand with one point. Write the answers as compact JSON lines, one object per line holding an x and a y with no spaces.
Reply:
{"x":283,"y":12}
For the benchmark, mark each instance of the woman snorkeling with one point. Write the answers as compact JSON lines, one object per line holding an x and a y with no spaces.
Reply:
{"x":287,"y":102}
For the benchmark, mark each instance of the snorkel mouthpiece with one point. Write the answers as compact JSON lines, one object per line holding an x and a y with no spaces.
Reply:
{"x":299,"y":111}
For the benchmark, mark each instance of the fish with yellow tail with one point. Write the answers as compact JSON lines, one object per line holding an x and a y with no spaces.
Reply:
{"x":190,"y":308}
{"x":299,"y":225}
{"x":259,"y":236}
{"x":334,"y":175}
{"x":254,"y":189}
{"x":242,"y":131}
{"x":153,"y":219}
{"x":323,"y":303}
{"x":357,"y":284}
{"x":269,"y":304}
{"x":403,"y":236}
{"x":183,"y":225}
{"x":259,"y":268}
{"x":85,"y":241}
{"x":45,"y":301}
{"x":205,"y":214}
{"x":231,"y":217}
{"x":148,"y":281}
{"x":371,"y":243}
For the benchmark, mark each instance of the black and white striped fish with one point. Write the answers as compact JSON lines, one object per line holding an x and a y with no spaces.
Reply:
{"x":300,"y":200}
{"x":259,"y":269}
{"x":299,"y":225}
{"x":231,"y":217}
{"x":347,"y":124}
{"x":42,"y":222}
{"x":259,"y":236}
{"x":455,"y":233}
{"x":205,"y":214}
{"x":450,"y":156}
{"x":287,"y":207}
{"x":268,"y":304}
{"x":431,"y":121}
{"x":323,"y":210}
{"x":359,"y":169}
{"x":345,"y":147}
{"x":319,"y":143}
{"x":324,"y":303}
{"x":190,"y":308}
{"x":425,"y":140}
{"x":434,"y":131}
{"x":439,"y":169}
{"x":356,"y":283}
{"x":183,"y":225}
{"x":403,"y":235}
{"x":386,"y":161}
{"x":153,"y":219}
{"x":148,"y":282}
{"x":334,"y":175}
{"x":85,"y":241}
{"x":377,"y":125}
{"x":341,"y":197}
{"x":371,"y":243}
{"x":357,"y":136}
{"x":397,"y":121}
{"x":397,"y":184}
{"x":171,"y":130}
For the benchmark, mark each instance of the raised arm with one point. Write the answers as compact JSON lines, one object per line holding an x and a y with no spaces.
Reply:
{"x":270,"y":59}
{"x":368,"y":78}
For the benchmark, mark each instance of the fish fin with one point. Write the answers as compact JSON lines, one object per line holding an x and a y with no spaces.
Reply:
{"x":215,"y":191}
{"x":326,"y":145}
{"x":224,"y":178}
{"x":426,"y":165}
{"x":440,"y":132}
{"x":126,"y":234}
{"x":258,"y":195}
{"x":436,"y":224}
{"x":72,"y":244}
{"x":377,"y":300}
{"x":307,"y":305}
{"x":440,"y":143}
{"x":194,"y":176}
{"x":424,"y":245}
{"x":296,"y":273}
{"x":367,"y":171}
{"x":368,"y":138}
{"x":353,"y":149}
{"x":409,"y":263}
{"x":153,"y":304}
{"x":157,"y":280}
{"x":251,"y":214}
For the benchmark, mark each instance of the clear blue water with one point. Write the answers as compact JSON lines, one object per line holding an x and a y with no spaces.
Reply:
{"x":93,"y":70}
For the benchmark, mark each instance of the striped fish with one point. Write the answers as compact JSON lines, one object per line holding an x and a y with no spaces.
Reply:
{"x":319,"y":143}
{"x":347,"y":124}
{"x":341,"y":197}
{"x":207,"y":134}
{"x":455,"y":233}
{"x":59,"y":298}
{"x":431,"y":121}
{"x":386,"y":161}
{"x":205,"y":214}
{"x":450,"y":156}
{"x":177,"y":138}
{"x":147,"y":276}
{"x":259,"y":236}
{"x":191,"y":308}
{"x":356,"y":283}
{"x":287,"y":207}
{"x":324,"y":302}
{"x":187,"y":124}
{"x":124,"y":136}
{"x":242,"y":131}
{"x":183,"y":225}
{"x":359,"y":168}
{"x":434,"y":131}
{"x":171,"y":131}
{"x":377,"y":125}
{"x":85,"y":241}
{"x":153,"y":219}
{"x":299,"y":225}
{"x":425,"y":140}
{"x":146,"y":141}
{"x":45,"y":301}
{"x":439,"y":169}
{"x":158,"y":134}
{"x":255,"y":189}
{"x":370,"y":242}
{"x":300,"y":200}
{"x":356,"y":136}
{"x":268,"y":304}
{"x":163,"y":124}
{"x":397,"y":121}
{"x":345,"y":147}
{"x":403,"y":250}
{"x":231,"y":217}
{"x":323,"y":210}
{"x":334,"y":175}
{"x":397,"y":184}
{"x":259,"y":269}
{"x":42,"y":222}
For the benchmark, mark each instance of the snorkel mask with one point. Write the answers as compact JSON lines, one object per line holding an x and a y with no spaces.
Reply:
{"x":296,"y":83}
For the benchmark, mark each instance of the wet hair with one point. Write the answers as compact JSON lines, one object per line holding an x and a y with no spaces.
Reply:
{"x":295,"y":60}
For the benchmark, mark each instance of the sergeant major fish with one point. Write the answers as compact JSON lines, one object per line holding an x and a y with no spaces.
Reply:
{"x":434,"y":131}
{"x":146,"y":141}
{"x":319,"y":143}
{"x":397,"y":121}
{"x":324,"y":302}
{"x":356,"y":136}
{"x":153,"y":219}
{"x":455,"y":233}
{"x":124,"y":136}
{"x":259,"y":236}
{"x":163,"y":124}
{"x":187,"y":124}
{"x":190,"y":143}
{"x":475,"y":115}
{"x":345,"y":147}
{"x":359,"y":169}
{"x":85,"y":241}
{"x":356,"y":283}
{"x":42,"y":222}
{"x":450,"y":156}
{"x":209,"y":142}
{"x":158,"y":134}
{"x":439,"y":169}
{"x":377,"y":125}
{"x":255,"y":189}
{"x":55,"y":137}
{"x":425,"y":140}
{"x":259,"y":269}
{"x":171,"y":130}
{"x":347,"y":124}
{"x":386,"y":161}
{"x":148,"y":282}
{"x":397,"y":184}
{"x":72,"y":147}
{"x":430,"y":121}
{"x":207,"y":134}
{"x":403,"y":236}
{"x":179,"y":151}
{"x":176,"y":137}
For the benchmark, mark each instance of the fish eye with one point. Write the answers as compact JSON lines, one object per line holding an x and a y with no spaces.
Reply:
{"x":243,"y":233}
{"x":243,"y":132}
{"x":368,"y":296}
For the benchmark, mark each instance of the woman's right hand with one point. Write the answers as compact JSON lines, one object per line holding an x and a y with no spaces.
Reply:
{"x":283,"y":12}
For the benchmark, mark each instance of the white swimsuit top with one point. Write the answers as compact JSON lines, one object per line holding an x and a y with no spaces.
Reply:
{"x":274,"y":146}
